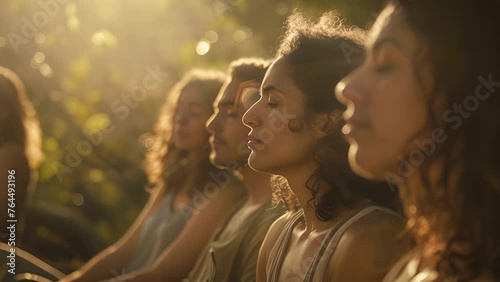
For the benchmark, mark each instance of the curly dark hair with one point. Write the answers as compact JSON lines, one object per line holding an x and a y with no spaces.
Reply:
{"x":248,"y":68}
{"x":320,"y":54}
{"x":455,"y":219}
{"x":165,"y":164}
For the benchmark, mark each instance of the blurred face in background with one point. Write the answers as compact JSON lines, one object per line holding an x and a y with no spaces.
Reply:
{"x":190,"y":117}
{"x":228,"y":133}
{"x":385,"y":99}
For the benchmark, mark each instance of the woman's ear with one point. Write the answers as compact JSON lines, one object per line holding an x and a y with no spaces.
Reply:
{"x":319,"y":124}
{"x":325,"y":123}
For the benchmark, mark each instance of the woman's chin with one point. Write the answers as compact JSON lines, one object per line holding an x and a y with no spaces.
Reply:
{"x":255,"y":162}
{"x":355,"y":163}
{"x":368,"y":170}
{"x":362,"y":172}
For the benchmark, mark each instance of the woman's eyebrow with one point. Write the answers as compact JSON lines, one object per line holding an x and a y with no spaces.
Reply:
{"x":386,"y":41}
{"x":226,"y":103}
{"x":270,"y":88}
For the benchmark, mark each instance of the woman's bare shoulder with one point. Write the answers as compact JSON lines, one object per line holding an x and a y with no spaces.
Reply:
{"x":377,"y":231}
{"x":370,"y":246}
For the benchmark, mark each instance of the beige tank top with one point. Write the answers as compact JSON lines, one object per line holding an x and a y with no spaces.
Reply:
{"x":319,"y":265}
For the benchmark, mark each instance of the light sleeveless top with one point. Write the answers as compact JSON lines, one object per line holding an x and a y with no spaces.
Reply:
{"x":319,"y":264}
{"x":158,"y":232}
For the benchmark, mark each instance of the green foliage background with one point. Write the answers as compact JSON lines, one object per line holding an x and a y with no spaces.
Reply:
{"x":97,"y":51}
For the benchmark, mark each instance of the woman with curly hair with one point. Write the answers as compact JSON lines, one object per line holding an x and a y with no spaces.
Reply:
{"x":188,"y":201}
{"x":423,"y":113}
{"x":20,"y":144}
{"x":336,"y":230}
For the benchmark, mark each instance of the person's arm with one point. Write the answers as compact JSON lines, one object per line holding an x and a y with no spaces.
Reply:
{"x":110,"y":262}
{"x":268,"y":243}
{"x":369,"y":248}
{"x":179,"y":258}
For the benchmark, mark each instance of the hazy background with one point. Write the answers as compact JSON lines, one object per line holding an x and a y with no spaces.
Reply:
{"x":81,"y":62}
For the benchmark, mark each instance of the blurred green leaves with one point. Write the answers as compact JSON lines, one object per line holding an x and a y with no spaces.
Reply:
{"x":91,"y":53}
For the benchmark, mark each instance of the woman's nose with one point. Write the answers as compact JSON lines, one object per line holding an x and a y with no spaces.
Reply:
{"x":250,"y":117}
{"x":347,"y":91}
{"x":211,"y":124}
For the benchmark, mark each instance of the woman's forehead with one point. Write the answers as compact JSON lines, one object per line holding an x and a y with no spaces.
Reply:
{"x":280,"y":77}
{"x":392,"y":27}
{"x":192,"y":95}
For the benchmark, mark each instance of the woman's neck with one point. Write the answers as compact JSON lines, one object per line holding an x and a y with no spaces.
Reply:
{"x":297,"y":178}
{"x":258,"y":185}
{"x":191,"y":166}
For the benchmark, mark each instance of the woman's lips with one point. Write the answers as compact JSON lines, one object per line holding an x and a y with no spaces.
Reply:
{"x":353,"y":125}
{"x":217,"y":140}
{"x":254,"y":142}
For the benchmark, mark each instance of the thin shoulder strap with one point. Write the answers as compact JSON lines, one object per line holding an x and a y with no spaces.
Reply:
{"x":331,"y":240}
{"x":277,"y":253}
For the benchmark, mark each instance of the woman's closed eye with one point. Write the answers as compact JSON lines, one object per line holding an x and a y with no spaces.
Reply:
{"x":383,"y":68}
{"x":272,"y":102}
{"x":384,"y":63}
{"x":385,"y":60}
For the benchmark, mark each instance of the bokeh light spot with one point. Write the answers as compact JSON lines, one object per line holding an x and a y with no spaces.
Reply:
{"x":46,"y":70}
{"x":211,"y":36}
{"x":77,"y":199}
{"x":98,"y":38}
{"x":104,"y":37}
{"x":40,"y":38}
{"x":239,"y":35}
{"x":96,"y":122}
{"x":50,"y":144}
{"x":202,"y":47}
{"x":242,"y":33}
{"x":73,"y":23}
{"x":39,"y":57}
{"x":96,"y":175}
{"x":412,"y":209}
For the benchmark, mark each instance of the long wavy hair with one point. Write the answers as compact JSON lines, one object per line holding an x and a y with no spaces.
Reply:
{"x":21,"y":125}
{"x":166,"y":165}
{"x":320,"y":54}
{"x":248,"y":68}
{"x":455,"y":219}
